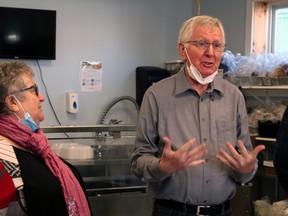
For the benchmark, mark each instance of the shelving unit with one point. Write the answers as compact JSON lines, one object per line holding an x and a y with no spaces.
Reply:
{"x":265,"y":182}
{"x":268,"y":154}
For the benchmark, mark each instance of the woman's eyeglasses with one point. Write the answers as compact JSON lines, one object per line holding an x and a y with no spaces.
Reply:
{"x":34,"y":87}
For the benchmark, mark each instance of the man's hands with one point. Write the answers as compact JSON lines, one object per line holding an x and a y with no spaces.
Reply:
{"x":243,"y":162}
{"x":189,"y":156}
{"x":186,"y":156}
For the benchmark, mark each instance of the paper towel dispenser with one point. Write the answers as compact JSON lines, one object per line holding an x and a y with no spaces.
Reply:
{"x":145,"y":77}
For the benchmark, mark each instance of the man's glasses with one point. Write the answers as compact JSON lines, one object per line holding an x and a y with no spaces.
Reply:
{"x":34,"y":87}
{"x":203,"y":45}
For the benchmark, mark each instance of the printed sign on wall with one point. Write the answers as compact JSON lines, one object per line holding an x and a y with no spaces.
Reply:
{"x":91,"y":76}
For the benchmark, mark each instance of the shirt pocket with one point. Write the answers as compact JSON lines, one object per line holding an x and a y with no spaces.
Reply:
{"x":226,"y":131}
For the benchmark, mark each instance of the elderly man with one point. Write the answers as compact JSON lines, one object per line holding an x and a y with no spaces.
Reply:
{"x":192,"y":144}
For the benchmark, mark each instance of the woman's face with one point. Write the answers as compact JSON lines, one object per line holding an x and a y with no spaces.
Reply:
{"x":206,"y":61}
{"x":31,"y":102}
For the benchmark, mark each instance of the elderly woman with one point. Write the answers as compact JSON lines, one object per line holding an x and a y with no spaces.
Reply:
{"x":33,"y":179}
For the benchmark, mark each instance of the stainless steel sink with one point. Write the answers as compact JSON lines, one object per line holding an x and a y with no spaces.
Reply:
{"x":109,"y":169}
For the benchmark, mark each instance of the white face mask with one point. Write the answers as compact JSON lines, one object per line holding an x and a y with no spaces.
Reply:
{"x":196,"y":75}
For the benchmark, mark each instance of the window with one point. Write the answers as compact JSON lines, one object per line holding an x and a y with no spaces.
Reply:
{"x":279,"y":30}
{"x":267,"y":22}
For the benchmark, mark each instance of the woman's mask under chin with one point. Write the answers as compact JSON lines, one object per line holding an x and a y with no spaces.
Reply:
{"x":29,"y":122}
{"x":27,"y":119}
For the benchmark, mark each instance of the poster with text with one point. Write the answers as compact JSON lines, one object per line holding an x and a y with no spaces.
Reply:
{"x":91,"y":76}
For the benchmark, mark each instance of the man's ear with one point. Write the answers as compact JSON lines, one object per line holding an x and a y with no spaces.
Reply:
{"x":181,"y":50}
{"x":11,"y":103}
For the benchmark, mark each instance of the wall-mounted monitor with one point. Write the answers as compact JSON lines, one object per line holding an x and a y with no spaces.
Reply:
{"x":27,"y":33}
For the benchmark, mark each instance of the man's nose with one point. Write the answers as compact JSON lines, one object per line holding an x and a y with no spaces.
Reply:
{"x":210,"y":50}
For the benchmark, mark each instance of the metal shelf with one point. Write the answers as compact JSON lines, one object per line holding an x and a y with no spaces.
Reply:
{"x":264,"y":91}
{"x":113,"y":129}
{"x":264,"y":94}
{"x":88,"y":128}
{"x":280,"y":87}
{"x":265,"y":139}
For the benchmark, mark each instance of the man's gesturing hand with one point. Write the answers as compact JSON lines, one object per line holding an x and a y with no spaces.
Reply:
{"x":243,"y":162}
{"x":173,"y":161}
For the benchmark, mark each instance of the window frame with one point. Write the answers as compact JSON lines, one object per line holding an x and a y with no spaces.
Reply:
{"x":249,"y":34}
{"x":273,"y":7}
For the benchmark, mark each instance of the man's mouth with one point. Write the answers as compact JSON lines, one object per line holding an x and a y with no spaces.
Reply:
{"x":207,"y":64}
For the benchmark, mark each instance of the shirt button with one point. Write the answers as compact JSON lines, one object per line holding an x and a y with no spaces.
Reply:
{"x":207,"y":181}
{"x":203,"y":119}
{"x":202,"y":99}
{"x":205,"y":201}
{"x":204,"y":139}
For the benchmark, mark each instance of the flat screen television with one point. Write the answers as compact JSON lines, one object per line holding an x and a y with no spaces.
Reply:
{"x":27,"y":33}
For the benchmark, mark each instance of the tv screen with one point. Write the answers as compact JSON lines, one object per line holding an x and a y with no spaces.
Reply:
{"x":27,"y":33}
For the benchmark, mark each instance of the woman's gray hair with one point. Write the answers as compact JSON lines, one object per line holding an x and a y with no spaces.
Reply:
{"x":11,"y":80}
{"x":189,"y":25}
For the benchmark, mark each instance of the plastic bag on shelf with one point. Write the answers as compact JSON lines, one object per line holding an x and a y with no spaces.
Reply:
{"x":262,"y":119}
{"x":260,"y":66}
{"x":263,"y":207}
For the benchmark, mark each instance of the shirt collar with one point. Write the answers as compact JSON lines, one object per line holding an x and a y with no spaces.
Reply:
{"x":183,"y":85}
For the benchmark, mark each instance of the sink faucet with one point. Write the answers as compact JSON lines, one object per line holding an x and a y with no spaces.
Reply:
{"x":115,"y":121}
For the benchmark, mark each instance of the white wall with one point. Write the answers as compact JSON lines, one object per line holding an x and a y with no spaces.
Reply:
{"x":232,"y":13}
{"x":122,"y":34}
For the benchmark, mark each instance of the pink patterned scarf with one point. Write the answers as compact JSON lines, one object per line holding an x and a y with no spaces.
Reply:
{"x":75,"y":198}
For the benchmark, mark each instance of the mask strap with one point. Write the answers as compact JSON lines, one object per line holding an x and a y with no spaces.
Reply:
{"x":187,"y":54}
{"x":20,"y":106}
{"x":17,"y":116}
